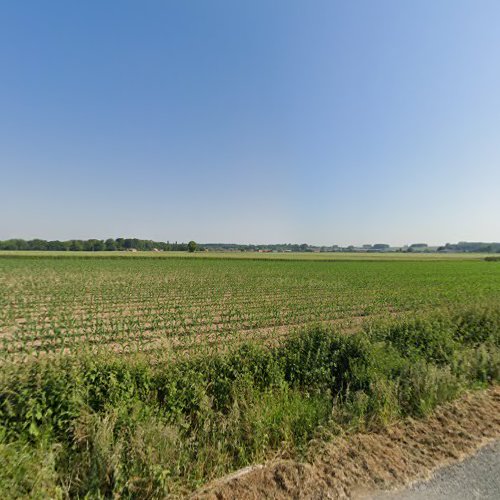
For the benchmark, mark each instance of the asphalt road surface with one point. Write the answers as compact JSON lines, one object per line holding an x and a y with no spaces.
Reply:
{"x":476,"y":477}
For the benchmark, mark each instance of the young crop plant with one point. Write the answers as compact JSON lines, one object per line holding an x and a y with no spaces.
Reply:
{"x":131,"y":304}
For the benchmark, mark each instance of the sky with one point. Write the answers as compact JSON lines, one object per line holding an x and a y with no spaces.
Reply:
{"x":263,"y":121}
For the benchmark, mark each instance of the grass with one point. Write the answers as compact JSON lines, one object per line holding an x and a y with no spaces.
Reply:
{"x":114,"y":426}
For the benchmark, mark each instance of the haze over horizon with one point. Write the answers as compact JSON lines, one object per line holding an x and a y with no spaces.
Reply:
{"x":261,"y":122}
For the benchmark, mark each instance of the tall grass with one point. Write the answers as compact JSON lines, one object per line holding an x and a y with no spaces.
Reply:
{"x":119,"y":426}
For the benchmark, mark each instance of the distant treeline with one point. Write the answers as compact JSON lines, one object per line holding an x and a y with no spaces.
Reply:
{"x":92,"y":245}
{"x":280,"y":247}
{"x":95,"y":245}
{"x":464,"y":246}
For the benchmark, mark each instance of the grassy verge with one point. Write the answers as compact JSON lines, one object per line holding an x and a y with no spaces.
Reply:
{"x":111,"y":426}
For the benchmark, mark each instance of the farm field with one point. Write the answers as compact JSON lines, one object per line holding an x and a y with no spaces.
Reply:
{"x":149,"y":377}
{"x":307,"y":256}
{"x":53,"y":302}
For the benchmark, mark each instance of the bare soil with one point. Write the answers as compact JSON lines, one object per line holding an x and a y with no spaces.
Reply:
{"x":355,"y":466}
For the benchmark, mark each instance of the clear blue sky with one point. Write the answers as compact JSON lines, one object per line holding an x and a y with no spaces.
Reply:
{"x":259,"y":121}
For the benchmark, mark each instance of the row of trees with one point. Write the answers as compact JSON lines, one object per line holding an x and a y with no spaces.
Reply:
{"x":94,"y":245}
{"x":279,"y":247}
{"x":470,"y":246}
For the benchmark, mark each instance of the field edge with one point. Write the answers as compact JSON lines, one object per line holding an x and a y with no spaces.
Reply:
{"x":387,"y":460}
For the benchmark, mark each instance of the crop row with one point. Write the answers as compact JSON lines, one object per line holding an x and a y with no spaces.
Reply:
{"x":128,"y":304}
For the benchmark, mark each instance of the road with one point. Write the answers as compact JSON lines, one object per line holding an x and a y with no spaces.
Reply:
{"x":477,"y":477}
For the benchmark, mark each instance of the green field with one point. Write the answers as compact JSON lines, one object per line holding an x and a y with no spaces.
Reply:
{"x":320,"y":256}
{"x":150,"y":302}
{"x":229,"y":360}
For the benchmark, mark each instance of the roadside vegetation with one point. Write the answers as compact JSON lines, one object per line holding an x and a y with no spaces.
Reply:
{"x":120,"y":426}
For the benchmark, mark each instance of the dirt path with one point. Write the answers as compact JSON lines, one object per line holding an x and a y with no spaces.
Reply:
{"x":358,"y":465}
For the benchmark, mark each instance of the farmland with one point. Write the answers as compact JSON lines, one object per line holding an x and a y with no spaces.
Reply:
{"x":127,"y":303}
{"x":147,"y":376}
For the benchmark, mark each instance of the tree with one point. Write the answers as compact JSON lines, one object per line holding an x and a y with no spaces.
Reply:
{"x":76,"y":245}
{"x":55,"y":245}
{"x":98,"y":246}
{"x":110,"y":245}
{"x":37,"y":244}
{"x":191,"y":246}
{"x":93,"y":245}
